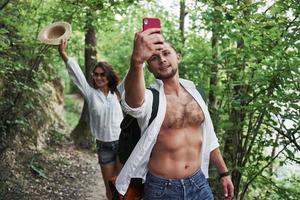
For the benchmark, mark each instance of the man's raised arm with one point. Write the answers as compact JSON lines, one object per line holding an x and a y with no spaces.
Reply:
{"x":146,"y":44}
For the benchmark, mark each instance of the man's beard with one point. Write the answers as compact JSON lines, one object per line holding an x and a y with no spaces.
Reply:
{"x":166,"y":76}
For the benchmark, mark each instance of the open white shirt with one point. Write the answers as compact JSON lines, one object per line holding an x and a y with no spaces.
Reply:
{"x":105,"y":113}
{"x":137,"y":164}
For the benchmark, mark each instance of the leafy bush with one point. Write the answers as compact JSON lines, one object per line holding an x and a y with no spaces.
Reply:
{"x":72,"y":113}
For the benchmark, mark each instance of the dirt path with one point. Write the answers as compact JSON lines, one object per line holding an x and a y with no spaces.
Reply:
{"x":96,"y":191}
{"x":63,"y":173}
{"x":87,"y":174}
{"x":60,"y":172}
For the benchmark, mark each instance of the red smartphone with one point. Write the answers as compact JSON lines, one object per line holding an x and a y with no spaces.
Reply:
{"x":151,"y":23}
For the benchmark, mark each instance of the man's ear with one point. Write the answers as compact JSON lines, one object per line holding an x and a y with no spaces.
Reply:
{"x":178,"y":55}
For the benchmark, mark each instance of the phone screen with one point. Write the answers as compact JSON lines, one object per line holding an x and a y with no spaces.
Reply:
{"x":150,"y":23}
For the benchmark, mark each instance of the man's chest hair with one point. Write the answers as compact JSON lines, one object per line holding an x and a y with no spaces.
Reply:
{"x":182,"y":110}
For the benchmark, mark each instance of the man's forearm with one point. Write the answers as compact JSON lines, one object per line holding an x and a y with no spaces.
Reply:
{"x":135,"y":85}
{"x":225,"y":179}
{"x":218,"y":161}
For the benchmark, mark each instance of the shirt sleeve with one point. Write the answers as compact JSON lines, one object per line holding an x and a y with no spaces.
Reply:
{"x":212,"y":138}
{"x":78,"y":77}
{"x":214,"y":142}
{"x":139,"y":112}
{"x":210,"y":142}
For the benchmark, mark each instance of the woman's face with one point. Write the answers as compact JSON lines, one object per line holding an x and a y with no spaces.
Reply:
{"x":99,"y":77}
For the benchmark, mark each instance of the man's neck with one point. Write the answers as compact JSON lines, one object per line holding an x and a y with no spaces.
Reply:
{"x":172,"y":85}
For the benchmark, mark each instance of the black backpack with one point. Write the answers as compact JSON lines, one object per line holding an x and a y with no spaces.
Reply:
{"x":131,"y":132}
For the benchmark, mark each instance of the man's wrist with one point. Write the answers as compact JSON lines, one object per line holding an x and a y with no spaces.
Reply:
{"x":136,"y":62}
{"x":224,"y":174}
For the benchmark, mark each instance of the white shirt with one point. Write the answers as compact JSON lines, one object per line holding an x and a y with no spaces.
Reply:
{"x":137,"y":164}
{"x":105,"y":113}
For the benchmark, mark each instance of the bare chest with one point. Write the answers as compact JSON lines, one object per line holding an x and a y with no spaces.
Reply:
{"x":182,"y":112}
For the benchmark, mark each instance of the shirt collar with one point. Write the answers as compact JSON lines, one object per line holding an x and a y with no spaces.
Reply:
{"x":185,"y":83}
{"x":108,"y":95}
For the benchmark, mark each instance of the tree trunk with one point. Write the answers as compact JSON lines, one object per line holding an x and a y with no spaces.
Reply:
{"x":213,"y":83}
{"x":181,"y":21}
{"x":81,"y":134}
{"x":212,"y":97}
{"x":233,"y":149}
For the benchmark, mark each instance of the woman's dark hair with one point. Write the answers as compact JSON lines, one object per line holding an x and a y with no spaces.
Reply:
{"x":111,"y":75}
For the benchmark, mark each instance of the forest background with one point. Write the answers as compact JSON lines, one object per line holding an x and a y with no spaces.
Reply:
{"x":244,"y":54}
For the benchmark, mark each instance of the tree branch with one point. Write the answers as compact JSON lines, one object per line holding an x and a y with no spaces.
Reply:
{"x":255,"y":132}
{"x":291,"y":137}
{"x":261,"y":170}
{"x":4,"y":4}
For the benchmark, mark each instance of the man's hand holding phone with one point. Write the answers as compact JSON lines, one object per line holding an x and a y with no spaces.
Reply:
{"x":147,"y":42}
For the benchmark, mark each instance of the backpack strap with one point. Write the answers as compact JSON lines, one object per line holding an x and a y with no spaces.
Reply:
{"x":154,"y":104}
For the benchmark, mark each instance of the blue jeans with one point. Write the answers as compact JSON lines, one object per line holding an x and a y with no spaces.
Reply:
{"x":194,"y":187}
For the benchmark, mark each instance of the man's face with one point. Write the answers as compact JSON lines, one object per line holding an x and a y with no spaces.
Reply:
{"x":99,"y":77}
{"x":164,"y":65}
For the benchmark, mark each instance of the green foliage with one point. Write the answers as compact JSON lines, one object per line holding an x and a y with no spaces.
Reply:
{"x":72,"y":112}
{"x":271,"y":188}
{"x":257,"y":88}
{"x":23,"y":73}
{"x":195,"y":64}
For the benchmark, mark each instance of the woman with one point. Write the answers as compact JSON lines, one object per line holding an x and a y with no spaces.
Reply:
{"x":104,"y":110}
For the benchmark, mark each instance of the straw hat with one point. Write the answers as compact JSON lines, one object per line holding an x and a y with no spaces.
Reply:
{"x":54,"y":33}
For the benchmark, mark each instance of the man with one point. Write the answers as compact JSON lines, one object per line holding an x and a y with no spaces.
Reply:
{"x":173,"y":154}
